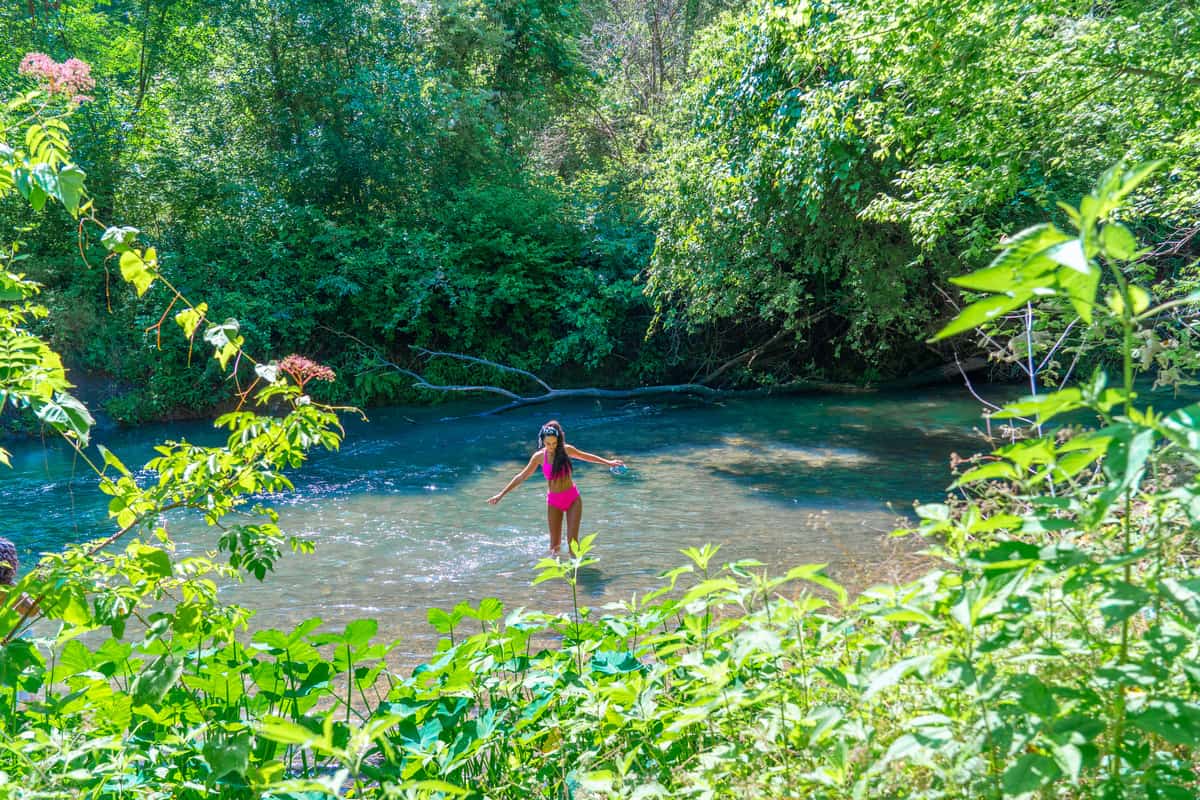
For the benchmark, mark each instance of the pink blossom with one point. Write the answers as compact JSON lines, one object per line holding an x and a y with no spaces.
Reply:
{"x":304,"y":370}
{"x":72,"y":77}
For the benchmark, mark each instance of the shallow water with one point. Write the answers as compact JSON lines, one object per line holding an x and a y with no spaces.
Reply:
{"x":400,"y":520}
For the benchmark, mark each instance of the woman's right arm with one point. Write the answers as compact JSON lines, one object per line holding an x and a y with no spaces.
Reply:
{"x":519,"y":478}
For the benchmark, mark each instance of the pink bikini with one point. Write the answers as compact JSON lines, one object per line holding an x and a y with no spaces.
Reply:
{"x":561,"y":500}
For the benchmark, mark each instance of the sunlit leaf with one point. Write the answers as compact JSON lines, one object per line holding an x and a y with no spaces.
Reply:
{"x":156,"y":679}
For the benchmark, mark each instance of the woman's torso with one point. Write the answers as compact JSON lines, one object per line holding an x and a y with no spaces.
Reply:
{"x":556,"y":483}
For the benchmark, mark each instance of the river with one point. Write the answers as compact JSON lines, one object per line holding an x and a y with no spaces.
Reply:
{"x":400,"y":520}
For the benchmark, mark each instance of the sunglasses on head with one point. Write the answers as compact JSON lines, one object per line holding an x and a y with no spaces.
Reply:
{"x":549,"y":432}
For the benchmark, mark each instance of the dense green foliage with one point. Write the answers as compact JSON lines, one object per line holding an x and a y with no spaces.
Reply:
{"x":1054,"y":651}
{"x":839,"y":160}
{"x":365,"y":167}
{"x":602,"y":192}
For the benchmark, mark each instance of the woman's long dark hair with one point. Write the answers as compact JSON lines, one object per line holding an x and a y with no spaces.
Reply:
{"x":562,"y":464}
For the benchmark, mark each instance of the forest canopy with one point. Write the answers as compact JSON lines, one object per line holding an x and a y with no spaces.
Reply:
{"x":606,"y":193}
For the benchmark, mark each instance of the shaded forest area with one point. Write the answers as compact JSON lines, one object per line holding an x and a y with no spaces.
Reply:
{"x":603,"y":192}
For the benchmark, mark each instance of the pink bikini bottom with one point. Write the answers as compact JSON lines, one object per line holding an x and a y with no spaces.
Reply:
{"x":563,"y":500}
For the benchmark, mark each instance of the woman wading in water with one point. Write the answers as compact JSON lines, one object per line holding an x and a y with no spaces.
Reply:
{"x":562,"y":496}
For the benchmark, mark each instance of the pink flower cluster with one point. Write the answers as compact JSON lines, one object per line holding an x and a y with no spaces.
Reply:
{"x":304,"y":370}
{"x":72,"y":77}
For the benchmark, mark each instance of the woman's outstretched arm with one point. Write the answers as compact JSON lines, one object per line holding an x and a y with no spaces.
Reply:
{"x":519,"y":478}
{"x":575,"y":452}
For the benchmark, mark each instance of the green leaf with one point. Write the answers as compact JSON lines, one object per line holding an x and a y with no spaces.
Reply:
{"x":709,"y":587}
{"x":1174,"y":719}
{"x":490,"y":609}
{"x":1045,"y":407}
{"x":814,"y":573}
{"x":1070,"y":255}
{"x":435,"y":786}
{"x":1127,"y":454}
{"x":996,"y":469}
{"x":1122,"y":601}
{"x":228,"y":754}
{"x":1031,"y":772}
{"x":1070,"y":759}
{"x":898,"y":671}
{"x":615,"y":662}
{"x":286,"y":732}
{"x":119,"y":239}
{"x":1139,"y":299}
{"x":597,"y":781}
{"x":1118,"y":242}
{"x":136,"y":270}
{"x":1183,"y":593}
{"x":440,"y":620}
{"x":1035,"y":698}
{"x":65,"y":414}
{"x":824,"y":719}
{"x":1183,"y":427}
{"x":190,"y":318}
{"x":1124,"y":465}
{"x":70,"y":188}
{"x":1005,"y":556}
{"x":1115,"y":185}
{"x":360,"y":631}
{"x":153,"y":560}
{"x":1022,"y":260}
{"x":112,"y":461}
{"x":982,"y":312}
{"x":224,"y":339}
{"x":905,"y":748}
{"x":939,"y":512}
{"x":152,"y":685}
{"x":14,"y":288}
{"x":1080,"y":288}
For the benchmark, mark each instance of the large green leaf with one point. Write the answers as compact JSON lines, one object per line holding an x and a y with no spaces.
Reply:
{"x":138,"y":268}
{"x":65,"y":414}
{"x":228,"y":754}
{"x":1183,"y":593}
{"x":1174,"y":719}
{"x":156,"y":679}
{"x":982,"y":312}
{"x":615,"y":662}
{"x":70,"y":187}
{"x":1182,"y":426}
{"x":1030,"y":773}
{"x":1043,"y":408}
{"x":1121,"y":601}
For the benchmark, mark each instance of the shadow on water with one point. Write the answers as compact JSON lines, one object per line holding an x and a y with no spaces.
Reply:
{"x":592,"y":580}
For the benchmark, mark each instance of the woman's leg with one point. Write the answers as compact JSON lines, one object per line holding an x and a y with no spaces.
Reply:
{"x":554,"y":516}
{"x":574,"y":515}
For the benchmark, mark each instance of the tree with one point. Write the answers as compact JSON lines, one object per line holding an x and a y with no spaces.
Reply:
{"x":838,"y":159}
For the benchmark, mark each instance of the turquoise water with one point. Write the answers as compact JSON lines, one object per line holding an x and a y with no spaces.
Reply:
{"x":400,"y":520}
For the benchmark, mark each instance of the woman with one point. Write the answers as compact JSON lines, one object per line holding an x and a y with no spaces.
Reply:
{"x":562,"y":496}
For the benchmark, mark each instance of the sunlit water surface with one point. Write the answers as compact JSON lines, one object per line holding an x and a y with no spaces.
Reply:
{"x":400,"y":520}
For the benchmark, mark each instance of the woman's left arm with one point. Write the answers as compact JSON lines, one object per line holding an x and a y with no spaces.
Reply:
{"x":575,"y":452}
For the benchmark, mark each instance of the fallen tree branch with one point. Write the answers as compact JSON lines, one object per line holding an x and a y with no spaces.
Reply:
{"x":440,"y":387}
{"x":383,"y":360}
{"x":431,"y":354}
{"x":695,"y":389}
{"x":746,"y":355}
{"x":551,"y":394}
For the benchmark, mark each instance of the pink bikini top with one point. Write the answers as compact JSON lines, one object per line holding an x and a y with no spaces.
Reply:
{"x":548,"y":468}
